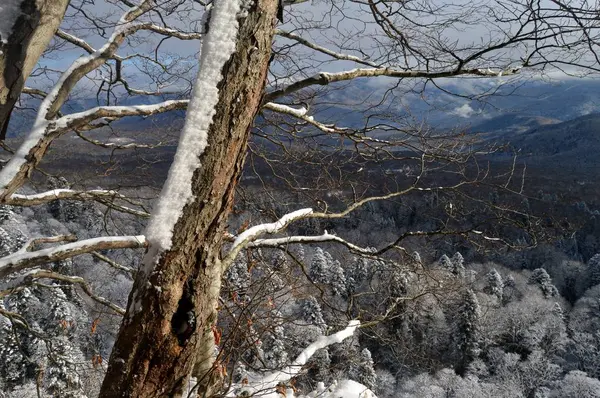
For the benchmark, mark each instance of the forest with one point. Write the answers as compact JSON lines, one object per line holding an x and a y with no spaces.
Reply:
{"x":350,"y":198}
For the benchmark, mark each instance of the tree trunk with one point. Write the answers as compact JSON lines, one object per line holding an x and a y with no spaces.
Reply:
{"x":151,"y":357}
{"x":30,"y":34}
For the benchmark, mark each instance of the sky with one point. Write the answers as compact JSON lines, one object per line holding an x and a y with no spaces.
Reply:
{"x":342,"y":25}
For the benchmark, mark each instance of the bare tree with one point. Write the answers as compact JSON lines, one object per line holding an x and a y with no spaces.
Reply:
{"x":167,"y":330}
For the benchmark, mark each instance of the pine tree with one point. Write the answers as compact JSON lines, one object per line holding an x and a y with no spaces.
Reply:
{"x":357,"y":274}
{"x":363,"y":370}
{"x":337,"y":279}
{"x":540,"y":277}
{"x":495,"y":285}
{"x":324,"y":269}
{"x":468,"y":331}
{"x":458,"y":262}
{"x":311,"y":313}
{"x":445,"y":263}
{"x":11,"y":242}
{"x":279,"y":261}
{"x":593,"y":267}
{"x":455,"y":265}
{"x":12,"y":360}
{"x":61,"y":372}
{"x":318,"y":267}
{"x":275,"y":354}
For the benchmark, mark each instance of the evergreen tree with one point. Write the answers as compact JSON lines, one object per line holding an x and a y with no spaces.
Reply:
{"x":540,"y":277}
{"x":468,"y":337}
{"x":279,"y":261}
{"x":357,"y":274}
{"x":455,"y":265}
{"x":311,"y":313}
{"x":275,"y":354}
{"x":11,"y":242}
{"x":458,"y":263}
{"x":593,"y":267}
{"x":337,"y":279}
{"x":61,"y":371}
{"x":445,"y":263}
{"x":363,"y":370}
{"x":319,"y":266}
{"x":12,"y":360}
{"x":324,"y":269}
{"x":495,"y":285}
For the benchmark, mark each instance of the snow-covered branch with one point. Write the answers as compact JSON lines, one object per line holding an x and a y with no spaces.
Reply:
{"x":172,"y":32}
{"x":113,"y":264}
{"x":302,"y":114}
{"x":76,"y":41}
{"x":79,"y":119}
{"x":23,"y":259}
{"x":35,"y":145}
{"x":113,"y":145}
{"x":106,"y":197}
{"x":326,"y":237}
{"x":87,"y":63}
{"x":264,"y":386}
{"x":288,"y":110}
{"x":254,"y":232}
{"x":325,"y":78}
{"x":54,"y":194}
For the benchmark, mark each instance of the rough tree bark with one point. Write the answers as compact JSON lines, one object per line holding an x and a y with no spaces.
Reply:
{"x":149,"y":358}
{"x":19,"y":52}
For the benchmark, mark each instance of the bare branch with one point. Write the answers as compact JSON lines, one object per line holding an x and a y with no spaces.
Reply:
{"x":325,"y":50}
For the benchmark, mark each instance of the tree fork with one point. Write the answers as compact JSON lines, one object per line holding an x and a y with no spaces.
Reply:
{"x":151,"y":358}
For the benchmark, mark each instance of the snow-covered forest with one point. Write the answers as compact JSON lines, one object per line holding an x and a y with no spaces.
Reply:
{"x":246,"y":198}
{"x":449,"y":327}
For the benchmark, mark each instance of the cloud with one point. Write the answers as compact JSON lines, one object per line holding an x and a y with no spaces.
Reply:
{"x":464,"y":111}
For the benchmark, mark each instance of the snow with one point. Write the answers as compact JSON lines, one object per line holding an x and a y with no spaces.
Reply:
{"x":287,"y":109}
{"x":217,"y":47}
{"x":325,"y":237}
{"x":10,"y":170}
{"x":58,"y":193}
{"x":23,"y":256}
{"x":10,"y":10}
{"x":117,"y":111}
{"x":342,"y":389}
{"x":264,"y":386}
{"x":269,"y":228}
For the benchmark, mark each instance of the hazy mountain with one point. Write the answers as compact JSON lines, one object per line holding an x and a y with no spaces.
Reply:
{"x":512,"y":124}
{"x":580,"y":136}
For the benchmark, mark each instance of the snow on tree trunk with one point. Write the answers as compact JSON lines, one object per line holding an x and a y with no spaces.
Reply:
{"x":167,"y":331}
{"x":26,"y":28}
